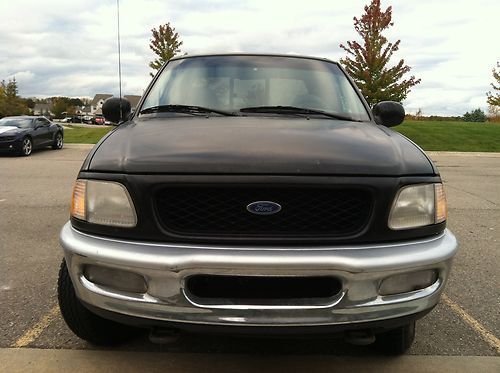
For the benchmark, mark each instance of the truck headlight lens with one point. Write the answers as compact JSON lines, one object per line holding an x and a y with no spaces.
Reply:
{"x":417,"y":206}
{"x":103,"y":202}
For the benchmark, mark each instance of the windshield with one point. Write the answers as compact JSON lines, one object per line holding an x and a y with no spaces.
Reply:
{"x":231,"y":83}
{"x":15,"y":122}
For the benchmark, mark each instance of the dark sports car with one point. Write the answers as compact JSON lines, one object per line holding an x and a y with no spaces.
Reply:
{"x":21,"y":135}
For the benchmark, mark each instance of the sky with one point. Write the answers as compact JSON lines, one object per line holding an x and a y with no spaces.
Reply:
{"x":69,"y":48}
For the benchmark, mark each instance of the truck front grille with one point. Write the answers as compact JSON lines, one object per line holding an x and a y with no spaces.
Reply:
{"x":222,"y":211}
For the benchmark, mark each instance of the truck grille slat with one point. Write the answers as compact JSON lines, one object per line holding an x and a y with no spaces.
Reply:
{"x":222,"y":211}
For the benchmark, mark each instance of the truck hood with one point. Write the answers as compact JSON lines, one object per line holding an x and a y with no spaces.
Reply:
{"x":257,"y":145}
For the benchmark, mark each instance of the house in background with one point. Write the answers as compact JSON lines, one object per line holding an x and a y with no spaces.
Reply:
{"x":84,"y":110}
{"x":96,"y":105}
{"x":133,"y":99}
{"x":98,"y":101}
{"x":43,"y":109}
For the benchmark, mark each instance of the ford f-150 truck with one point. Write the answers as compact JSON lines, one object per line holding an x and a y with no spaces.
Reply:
{"x":255,"y":194}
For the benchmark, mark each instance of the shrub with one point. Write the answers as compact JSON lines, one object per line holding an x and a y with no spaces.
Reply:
{"x":476,"y":115}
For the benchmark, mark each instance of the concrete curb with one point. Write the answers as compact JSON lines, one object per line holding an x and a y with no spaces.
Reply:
{"x":27,"y":359}
{"x":78,"y":146}
{"x":465,"y":154}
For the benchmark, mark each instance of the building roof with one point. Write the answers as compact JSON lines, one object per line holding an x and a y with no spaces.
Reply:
{"x":133,"y":99}
{"x":44,"y":107}
{"x":100,"y":96}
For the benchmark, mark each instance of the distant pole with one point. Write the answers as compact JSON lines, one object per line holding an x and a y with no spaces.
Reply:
{"x":119,"y":58}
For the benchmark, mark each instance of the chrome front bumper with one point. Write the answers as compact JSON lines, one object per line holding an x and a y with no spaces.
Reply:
{"x":165,"y":267}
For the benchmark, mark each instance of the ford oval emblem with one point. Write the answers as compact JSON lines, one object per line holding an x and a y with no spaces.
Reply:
{"x":264,"y":208}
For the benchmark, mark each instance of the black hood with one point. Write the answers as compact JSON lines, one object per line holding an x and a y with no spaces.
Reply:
{"x":257,"y":145}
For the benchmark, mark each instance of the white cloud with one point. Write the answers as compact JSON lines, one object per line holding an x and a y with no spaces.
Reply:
{"x":60,"y":47}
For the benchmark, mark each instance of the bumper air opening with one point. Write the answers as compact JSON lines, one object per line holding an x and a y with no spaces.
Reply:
{"x":263,"y":290}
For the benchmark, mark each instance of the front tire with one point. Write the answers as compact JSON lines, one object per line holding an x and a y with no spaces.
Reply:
{"x":26,"y":147}
{"x":82,"y":322}
{"x":58,"y":141}
{"x":396,"y":341}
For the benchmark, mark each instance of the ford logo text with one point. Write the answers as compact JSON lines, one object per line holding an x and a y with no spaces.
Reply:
{"x":264,"y":208}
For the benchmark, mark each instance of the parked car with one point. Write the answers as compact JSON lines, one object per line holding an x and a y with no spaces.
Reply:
{"x":66,"y":120}
{"x":99,"y":120}
{"x":87,"y":119}
{"x":76,"y":119}
{"x":255,"y":194}
{"x":22,"y":134}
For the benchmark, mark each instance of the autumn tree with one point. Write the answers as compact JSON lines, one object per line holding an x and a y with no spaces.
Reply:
{"x":10,"y":102}
{"x":165,"y":43}
{"x":367,"y":62}
{"x":494,"y":98}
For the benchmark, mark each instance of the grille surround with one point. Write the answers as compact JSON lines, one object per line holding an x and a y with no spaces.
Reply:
{"x":199,"y":211}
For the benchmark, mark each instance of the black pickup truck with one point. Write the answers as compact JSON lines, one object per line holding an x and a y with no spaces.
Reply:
{"x":255,"y":194}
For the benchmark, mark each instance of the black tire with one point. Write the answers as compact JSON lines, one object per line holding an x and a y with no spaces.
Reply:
{"x":58,"y":141}
{"x":82,"y":322}
{"x":396,"y":341}
{"x":26,"y":147}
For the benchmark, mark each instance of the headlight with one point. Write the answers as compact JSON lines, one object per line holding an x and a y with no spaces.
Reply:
{"x":417,"y":206}
{"x":103,"y":202}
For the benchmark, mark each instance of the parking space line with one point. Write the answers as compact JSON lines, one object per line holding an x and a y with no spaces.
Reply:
{"x":485,"y":334}
{"x":34,"y":332}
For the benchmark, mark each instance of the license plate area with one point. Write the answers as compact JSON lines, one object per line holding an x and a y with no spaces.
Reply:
{"x":278,"y":291}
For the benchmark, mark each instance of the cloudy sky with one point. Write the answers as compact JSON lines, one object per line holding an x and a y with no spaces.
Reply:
{"x":68,"y":48}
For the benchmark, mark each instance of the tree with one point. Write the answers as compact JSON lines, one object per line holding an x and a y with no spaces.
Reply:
{"x":59,"y":106}
{"x":476,"y":115}
{"x":10,"y":102}
{"x":494,"y":98}
{"x":166,"y":44}
{"x":367,"y":62}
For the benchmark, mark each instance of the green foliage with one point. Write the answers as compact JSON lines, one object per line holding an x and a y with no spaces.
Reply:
{"x":165,"y":43}
{"x":62,"y":105}
{"x":476,"y":115}
{"x":59,"y":106}
{"x":10,"y":102}
{"x":367,"y":62}
{"x":493,"y":99}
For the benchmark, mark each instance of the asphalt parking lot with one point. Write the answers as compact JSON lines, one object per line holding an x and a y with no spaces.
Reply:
{"x":34,"y":203}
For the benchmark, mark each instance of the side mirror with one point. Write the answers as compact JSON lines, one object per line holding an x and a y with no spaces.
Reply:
{"x":388,"y":113}
{"x":111,"y":109}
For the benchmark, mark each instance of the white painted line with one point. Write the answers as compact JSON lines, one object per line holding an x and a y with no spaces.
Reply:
{"x":33,"y":333}
{"x":485,"y":334}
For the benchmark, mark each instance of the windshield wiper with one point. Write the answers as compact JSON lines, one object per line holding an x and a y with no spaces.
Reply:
{"x":189,"y":109}
{"x":295,"y":110}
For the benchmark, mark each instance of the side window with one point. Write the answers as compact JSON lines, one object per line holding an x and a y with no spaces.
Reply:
{"x":45,"y":122}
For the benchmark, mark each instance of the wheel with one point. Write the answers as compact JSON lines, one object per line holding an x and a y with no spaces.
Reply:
{"x":26,"y":147}
{"x":58,"y":141}
{"x":396,"y":341}
{"x":82,"y":322}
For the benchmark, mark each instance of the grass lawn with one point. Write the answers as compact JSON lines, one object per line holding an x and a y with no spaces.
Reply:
{"x":453,"y":136}
{"x":84,"y":135}
{"x":445,"y":136}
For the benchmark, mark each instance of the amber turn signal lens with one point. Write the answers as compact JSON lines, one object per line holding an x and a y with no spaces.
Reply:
{"x":78,"y":209}
{"x":440,"y":198}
